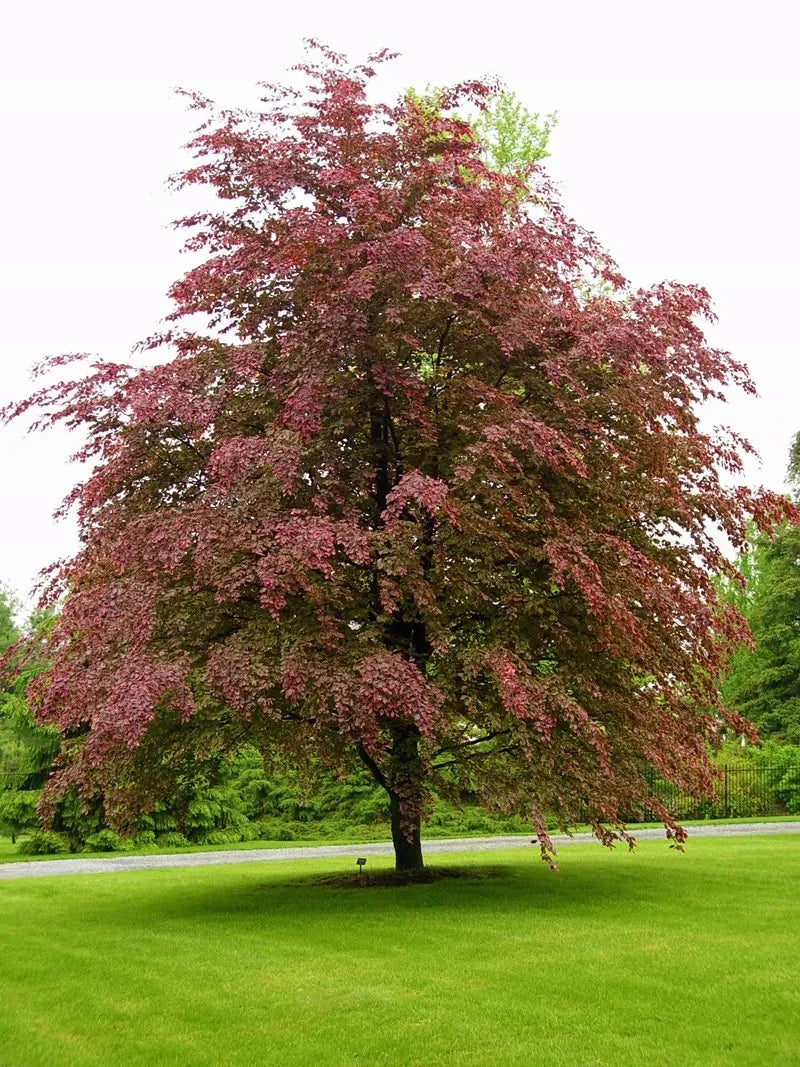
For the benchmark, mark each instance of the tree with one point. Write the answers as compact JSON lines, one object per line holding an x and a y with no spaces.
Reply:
{"x":27,"y":751}
{"x":18,"y":812}
{"x":514,"y":138}
{"x":429,"y":492}
{"x":763,"y":684}
{"x":9,"y":633}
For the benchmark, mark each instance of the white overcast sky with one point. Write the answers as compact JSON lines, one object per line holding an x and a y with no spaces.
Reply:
{"x":677,"y":144}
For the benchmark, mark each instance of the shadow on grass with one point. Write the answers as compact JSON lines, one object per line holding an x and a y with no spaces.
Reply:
{"x":585,"y":886}
{"x":390,"y":879}
{"x":489,"y":888}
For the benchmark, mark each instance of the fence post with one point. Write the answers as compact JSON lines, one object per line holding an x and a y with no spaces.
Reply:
{"x":725,"y":780}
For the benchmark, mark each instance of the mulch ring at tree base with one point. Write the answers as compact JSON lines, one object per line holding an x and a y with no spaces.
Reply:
{"x":388,"y":879}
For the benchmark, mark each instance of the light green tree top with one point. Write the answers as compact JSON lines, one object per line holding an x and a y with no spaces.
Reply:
{"x":514,"y":138}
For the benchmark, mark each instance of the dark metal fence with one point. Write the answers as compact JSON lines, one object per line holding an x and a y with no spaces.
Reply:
{"x":741,"y":792}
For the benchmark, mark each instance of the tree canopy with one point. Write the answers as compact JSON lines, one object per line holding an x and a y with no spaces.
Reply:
{"x":427,"y":490}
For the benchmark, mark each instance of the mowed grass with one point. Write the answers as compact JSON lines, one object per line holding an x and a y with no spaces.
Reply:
{"x":652,"y":958}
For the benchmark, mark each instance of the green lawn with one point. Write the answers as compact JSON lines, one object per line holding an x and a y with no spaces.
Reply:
{"x":653,"y":958}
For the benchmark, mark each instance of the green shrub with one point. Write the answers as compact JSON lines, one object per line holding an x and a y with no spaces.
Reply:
{"x":77,"y":822}
{"x":43,"y":843}
{"x":216,"y":809}
{"x":143,"y":838}
{"x":162,"y":822}
{"x":220,"y":837}
{"x":273,"y":830}
{"x":172,"y":839}
{"x":103,"y":841}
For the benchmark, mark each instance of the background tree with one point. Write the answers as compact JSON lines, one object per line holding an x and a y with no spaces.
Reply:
{"x":429,"y":492}
{"x":27,"y":750}
{"x":764,"y":680}
{"x":8,"y":628}
{"x":514,"y":138}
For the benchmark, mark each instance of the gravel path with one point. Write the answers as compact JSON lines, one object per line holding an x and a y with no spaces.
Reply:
{"x":38,"y":868}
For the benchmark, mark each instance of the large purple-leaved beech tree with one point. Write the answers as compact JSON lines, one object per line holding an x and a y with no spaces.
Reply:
{"x":429,"y":492}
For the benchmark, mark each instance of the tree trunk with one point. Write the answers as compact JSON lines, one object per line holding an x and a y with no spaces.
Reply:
{"x":404,"y":786}
{"x":401,"y":776}
{"x":406,"y":840}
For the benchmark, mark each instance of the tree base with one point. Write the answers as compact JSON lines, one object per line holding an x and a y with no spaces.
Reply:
{"x":389,"y":879}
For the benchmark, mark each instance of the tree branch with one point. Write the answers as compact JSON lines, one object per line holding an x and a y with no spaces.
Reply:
{"x":473,"y":741}
{"x":396,"y":445}
{"x":476,"y":755}
{"x":372,"y":767}
{"x":443,"y":339}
